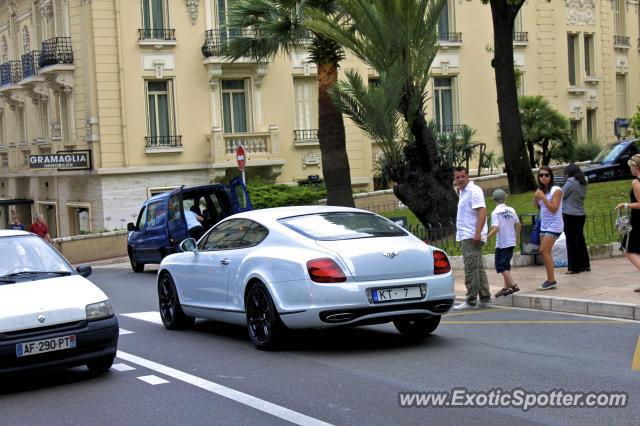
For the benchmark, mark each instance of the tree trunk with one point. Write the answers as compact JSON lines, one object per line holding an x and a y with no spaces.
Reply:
{"x":513,"y":147}
{"x":532,"y":154}
{"x":331,"y":136}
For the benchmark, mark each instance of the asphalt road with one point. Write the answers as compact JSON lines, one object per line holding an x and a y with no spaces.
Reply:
{"x":213,"y":375}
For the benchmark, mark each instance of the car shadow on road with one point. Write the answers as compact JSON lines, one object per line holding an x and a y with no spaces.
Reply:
{"x":27,"y":382}
{"x":339,"y":339}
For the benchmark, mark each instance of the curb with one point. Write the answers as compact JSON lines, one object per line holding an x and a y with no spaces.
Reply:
{"x":571,"y":306}
{"x":110,"y":261}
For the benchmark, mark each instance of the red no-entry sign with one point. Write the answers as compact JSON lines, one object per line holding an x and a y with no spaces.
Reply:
{"x":240,"y":157}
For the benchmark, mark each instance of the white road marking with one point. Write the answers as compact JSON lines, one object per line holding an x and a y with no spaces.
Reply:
{"x":153,"y":380}
{"x":123,"y":332}
{"x":151,"y":316}
{"x":242,"y":398}
{"x":122,"y":367}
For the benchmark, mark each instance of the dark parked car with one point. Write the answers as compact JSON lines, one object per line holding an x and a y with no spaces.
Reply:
{"x":161,"y":224}
{"x":611,"y":162}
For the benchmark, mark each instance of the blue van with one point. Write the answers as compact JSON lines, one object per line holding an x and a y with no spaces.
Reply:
{"x":161,"y":224}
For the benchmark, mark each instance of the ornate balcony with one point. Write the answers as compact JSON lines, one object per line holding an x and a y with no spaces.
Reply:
{"x":520,"y":38}
{"x":56,"y":51}
{"x":214,"y":41}
{"x":621,"y":42}
{"x":157,"y":34}
{"x":174,"y":141}
{"x":10,"y":73}
{"x":446,"y":40}
{"x":305,"y":137}
{"x":261,"y":149}
{"x":454,"y":129}
{"x":30,"y":64}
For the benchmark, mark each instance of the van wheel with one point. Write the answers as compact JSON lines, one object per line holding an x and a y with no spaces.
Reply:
{"x":135,"y":265}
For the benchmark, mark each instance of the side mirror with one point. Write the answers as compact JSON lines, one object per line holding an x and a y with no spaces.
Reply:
{"x":84,"y":270}
{"x":131,"y":227}
{"x":189,"y":245}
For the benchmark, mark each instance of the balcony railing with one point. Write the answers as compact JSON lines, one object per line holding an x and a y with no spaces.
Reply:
{"x":10,"y":73}
{"x":168,"y":34}
{"x":621,"y":41}
{"x":450,"y":37}
{"x":30,"y":64}
{"x":455,"y":129}
{"x":214,"y":41}
{"x":520,"y":37}
{"x":301,"y":135}
{"x":56,"y":50}
{"x":164,"y":141}
{"x":253,"y":143}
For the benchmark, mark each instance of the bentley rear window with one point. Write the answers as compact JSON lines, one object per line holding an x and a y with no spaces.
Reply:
{"x":342,"y":226}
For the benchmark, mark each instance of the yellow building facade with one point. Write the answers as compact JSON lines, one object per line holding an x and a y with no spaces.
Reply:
{"x":141,"y":88}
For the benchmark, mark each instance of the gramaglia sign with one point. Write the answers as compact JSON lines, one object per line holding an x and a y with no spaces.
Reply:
{"x":63,"y":160}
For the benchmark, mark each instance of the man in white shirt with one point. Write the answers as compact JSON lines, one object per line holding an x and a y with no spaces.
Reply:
{"x":471,"y":231}
{"x":194,"y":223}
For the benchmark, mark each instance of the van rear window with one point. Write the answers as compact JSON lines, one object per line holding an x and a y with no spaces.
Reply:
{"x":342,"y":226}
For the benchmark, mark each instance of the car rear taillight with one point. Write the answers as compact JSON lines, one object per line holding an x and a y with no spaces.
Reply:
{"x":441,"y":263}
{"x":325,"y":271}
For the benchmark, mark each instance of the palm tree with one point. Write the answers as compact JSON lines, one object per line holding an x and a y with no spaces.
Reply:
{"x":268,"y":27}
{"x":397,"y":38}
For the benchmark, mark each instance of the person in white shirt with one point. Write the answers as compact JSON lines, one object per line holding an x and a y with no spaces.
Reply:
{"x":194,"y":223}
{"x":505,"y":225}
{"x":471,"y":231}
{"x":549,"y":200}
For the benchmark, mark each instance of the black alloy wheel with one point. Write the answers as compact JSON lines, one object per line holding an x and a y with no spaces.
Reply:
{"x":263,"y":321}
{"x":171,"y":312}
{"x":417,"y":328}
{"x":135,"y":265}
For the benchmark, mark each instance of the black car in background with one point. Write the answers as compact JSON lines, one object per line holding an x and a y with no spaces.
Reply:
{"x":611,"y":162}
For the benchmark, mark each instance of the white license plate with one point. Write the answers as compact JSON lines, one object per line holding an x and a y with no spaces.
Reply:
{"x":46,"y":345}
{"x":380,"y":295}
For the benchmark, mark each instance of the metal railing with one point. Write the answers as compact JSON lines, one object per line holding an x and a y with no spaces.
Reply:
{"x":455,"y":129}
{"x":214,"y":41}
{"x":599,"y":228}
{"x":163,"y":141}
{"x":10,"y":73}
{"x":56,"y":50}
{"x":520,"y":36}
{"x":621,"y":41}
{"x":450,"y":37}
{"x":30,"y":64}
{"x":168,"y":34}
{"x":299,"y":135}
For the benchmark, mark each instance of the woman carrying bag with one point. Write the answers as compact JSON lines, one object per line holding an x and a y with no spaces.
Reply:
{"x":631,"y":241}
{"x":573,"y":215}
{"x":549,"y":200}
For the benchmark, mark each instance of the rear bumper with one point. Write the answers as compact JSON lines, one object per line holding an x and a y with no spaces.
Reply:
{"x":94,"y":339}
{"x":310,"y":305}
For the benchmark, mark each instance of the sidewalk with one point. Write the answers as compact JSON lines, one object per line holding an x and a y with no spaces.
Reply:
{"x":605,"y":291}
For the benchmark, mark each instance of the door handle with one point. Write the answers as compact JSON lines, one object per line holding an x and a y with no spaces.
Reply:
{"x":225,"y":261}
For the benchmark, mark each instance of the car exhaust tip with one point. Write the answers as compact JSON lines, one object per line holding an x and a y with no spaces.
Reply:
{"x":340,"y":317}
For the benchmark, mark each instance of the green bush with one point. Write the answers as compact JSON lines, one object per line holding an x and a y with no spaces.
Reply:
{"x":264,"y":195}
{"x":586,"y":151}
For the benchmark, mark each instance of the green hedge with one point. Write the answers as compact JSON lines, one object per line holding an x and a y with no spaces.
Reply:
{"x":264,"y":195}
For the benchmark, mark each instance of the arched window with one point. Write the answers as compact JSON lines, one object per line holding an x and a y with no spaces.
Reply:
{"x":5,"y":49}
{"x":26,"y":40}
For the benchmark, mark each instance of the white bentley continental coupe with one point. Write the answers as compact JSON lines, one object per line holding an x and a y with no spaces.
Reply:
{"x":51,"y":316}
{"x":306,"y":267}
